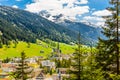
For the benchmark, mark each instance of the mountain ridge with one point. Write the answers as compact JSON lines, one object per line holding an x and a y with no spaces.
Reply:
{"x":88,"y":31}
{"x":26,"y":26}
{"x":31,"y":26}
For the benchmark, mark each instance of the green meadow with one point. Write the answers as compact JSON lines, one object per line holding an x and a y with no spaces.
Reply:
{"x":33,"y":49}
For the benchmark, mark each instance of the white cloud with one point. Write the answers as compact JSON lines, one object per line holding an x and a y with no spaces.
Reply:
{"x":67,"y":1}
{"x":18,"y":0}
{"x":102,"y":13}
{"x":15,"y":6}
{"x":98,"y":21}
{"x":55,"y":7}
{"x":94,"y":18}
{"x":82,"y":2}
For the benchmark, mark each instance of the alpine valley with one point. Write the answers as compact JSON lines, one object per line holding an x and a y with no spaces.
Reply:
{"x":16,"y":24}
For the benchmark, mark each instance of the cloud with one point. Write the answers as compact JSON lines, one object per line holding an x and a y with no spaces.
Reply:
{"x":82,"y":2}
{"x":18,"y":0}
{"x":101,"y":13}
{"x":15,"y":6}
{"x":95,"y":20}
{"x":66,"y":1}
{"x":96,"y":17}
{"x":55,"y":7}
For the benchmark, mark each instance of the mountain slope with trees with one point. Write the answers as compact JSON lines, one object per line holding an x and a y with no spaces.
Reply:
{"x":26,"y":26}
{"x":88,"y":32}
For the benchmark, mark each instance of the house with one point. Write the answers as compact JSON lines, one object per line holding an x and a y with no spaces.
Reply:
{"x":31,"y":60}
{"x":72,"y":43}
{"x":63,"y":70}
{"x":66,"y":57}
{"x":4,"y":76}
{"x":40,"y":76}
{"x":8,"y":67}
{"x":16,"y":60}
{"x":48,"y":63}
{"x":34,"y":65}
{"x":60,"y":56}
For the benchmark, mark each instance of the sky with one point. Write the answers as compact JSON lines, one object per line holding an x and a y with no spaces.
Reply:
{"x":89,"y":11}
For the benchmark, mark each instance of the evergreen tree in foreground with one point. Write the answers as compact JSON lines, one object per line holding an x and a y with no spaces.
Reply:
{"x":23,"y":70}
{"x":108,"y":54}
{"x":76,"y":64}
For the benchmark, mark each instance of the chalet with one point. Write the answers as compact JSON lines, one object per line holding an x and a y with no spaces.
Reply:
{"x":60,"y":57}
{"x":63,"y":70}
{"x":47,"y":63}
{"x":66,"y":57}
{"x":16,"y":60}
{"x":8,"y":67}
{"x":40,"y":76}
{"x":31,"y":60}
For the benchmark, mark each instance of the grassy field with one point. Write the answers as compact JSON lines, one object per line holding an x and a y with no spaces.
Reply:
{"x":67,"y":49}
{"x":41,"y":49}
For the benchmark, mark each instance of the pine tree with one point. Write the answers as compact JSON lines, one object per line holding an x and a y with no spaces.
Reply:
{"x":23,"y":70}
{"x":76,"y":65}
{"x":108,"y":55}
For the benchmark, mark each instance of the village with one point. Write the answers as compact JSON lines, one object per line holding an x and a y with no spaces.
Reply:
{"x":56,"y":67}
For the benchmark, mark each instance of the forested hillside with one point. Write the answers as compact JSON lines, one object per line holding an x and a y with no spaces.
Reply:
{"x":88,"y":32}
{"x":26,"y":26}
